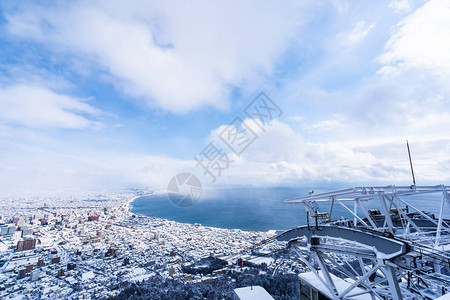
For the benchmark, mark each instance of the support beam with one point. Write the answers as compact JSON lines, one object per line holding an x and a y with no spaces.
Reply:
{"x":351,"y":212}
{"x":441,"y":217}
{"x":359,"y":281}
{"x":308,"y":264}
{"x":330,"y":284}
{"x":367,"y":215}
{"x":410,"y":221}
{"x":394,"y":288}
{"x":387,"y":215}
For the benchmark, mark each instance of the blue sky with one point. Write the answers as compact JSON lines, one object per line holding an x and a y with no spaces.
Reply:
{"x":101,"y":95}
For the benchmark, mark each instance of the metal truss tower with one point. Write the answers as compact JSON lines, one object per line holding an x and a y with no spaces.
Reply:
{"x":387,"y":248}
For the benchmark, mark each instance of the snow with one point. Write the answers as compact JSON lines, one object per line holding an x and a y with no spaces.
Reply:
{"x":138,"y":274}
{"x":141,"y":277}
{"x":3,"y":247}
{"x":87,"y":276}
{"x":444,"y":297}
{"x":15,"y":263}
{"x":341,"y":285}
{"x":252,"y":293}
{"x":260,"y":260}
{"x":71,"y":280}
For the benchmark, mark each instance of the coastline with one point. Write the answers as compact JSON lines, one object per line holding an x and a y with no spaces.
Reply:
{"x":128,"y":206}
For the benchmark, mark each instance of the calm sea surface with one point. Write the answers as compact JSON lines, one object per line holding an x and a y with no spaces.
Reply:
{"x":250,"y":208}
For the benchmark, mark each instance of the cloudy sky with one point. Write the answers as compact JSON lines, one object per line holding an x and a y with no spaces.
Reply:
{"x":111,"y":94}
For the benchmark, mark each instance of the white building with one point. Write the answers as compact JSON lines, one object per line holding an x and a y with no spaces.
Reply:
{"x":252,"y":293}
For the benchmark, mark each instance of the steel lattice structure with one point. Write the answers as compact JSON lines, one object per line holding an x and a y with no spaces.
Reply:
{"x":395,"y":252}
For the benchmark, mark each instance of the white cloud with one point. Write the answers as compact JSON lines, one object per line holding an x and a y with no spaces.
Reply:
{"x":296,"y":118}
{"x":341,"y":6}
{"x":368,"y":119}
{"x":422,"y":39}
{"x":29,"y":75}
{"x":32,"y":162}
{"x":174,"y":55}
{"x":37,"y":171}
{"x":388,"y":71}
{"x":282,"y":156}
{"x":180,"y":56}
{"x":357,"y":34}
{"x":400,"y":6}
{"x":325,"y":125}
{"x":279,"y":157}
{"x":39,"y":107}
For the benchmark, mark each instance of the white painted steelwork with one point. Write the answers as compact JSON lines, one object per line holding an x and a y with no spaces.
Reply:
{"x":362,"y":249}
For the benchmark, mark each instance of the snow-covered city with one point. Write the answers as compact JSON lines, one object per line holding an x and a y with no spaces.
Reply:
{"x":92,"y":246}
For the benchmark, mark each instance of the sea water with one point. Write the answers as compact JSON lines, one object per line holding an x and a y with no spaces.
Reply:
{"x":254,"y":208}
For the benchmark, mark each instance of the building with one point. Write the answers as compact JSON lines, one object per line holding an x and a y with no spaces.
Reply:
{"x":28,"y":268}
{"x":18,"y":221}
{"x":56,"y":260}
{"x":111,"y":252}
{"x":17,"y":235}
{"x":40,"y":262}
{"x":252,"y":293}
{"x":11,"y":229}
{"x":240,"y":262}
{"x":34,"y":275}
{"x":22,"y":273}
{"x":27,"y":244}
{"x":61,"y":273}
{"x":27,"y":231}
{"x":87,"y":276}
{"x":3,"y":230}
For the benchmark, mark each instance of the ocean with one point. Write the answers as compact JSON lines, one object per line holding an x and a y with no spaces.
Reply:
{"x":250,"y":208}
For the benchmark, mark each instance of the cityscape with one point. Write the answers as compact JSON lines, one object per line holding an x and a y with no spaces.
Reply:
{"x":92,"y":246}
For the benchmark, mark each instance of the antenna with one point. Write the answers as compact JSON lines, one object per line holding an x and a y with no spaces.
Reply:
{"x":410,"y":163}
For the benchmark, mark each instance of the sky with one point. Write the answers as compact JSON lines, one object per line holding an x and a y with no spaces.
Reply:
{"x":102,"y":94}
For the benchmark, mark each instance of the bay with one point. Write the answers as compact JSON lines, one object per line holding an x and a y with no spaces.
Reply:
{"x":252,"y":208}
